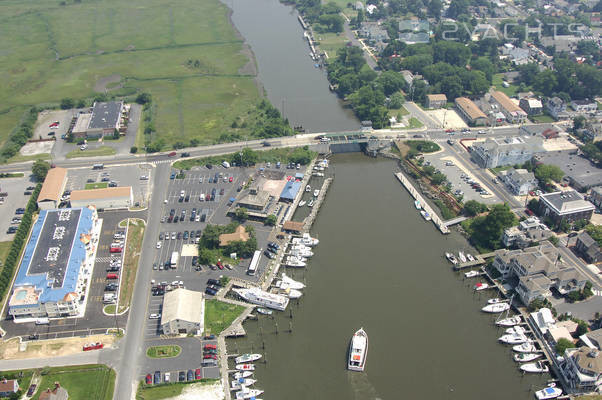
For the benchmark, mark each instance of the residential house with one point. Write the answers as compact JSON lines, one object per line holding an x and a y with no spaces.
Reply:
{"x":514,"y":114}
{"x":8,"y":387}
{"x":583,"y":369}
{"x":533,"y":287}
{"x":584,"y":106}
{"x":373,"y":31}
{"x":531,"y":106}
{"x":515,"y":54}
{"x":528,"y":231}
{"x":543,"y":320}
{"x":588,"y":248}
{"x":414,"y":25}
{"x":495,"y":152}
{"x":58,"y":393}
{"x":593,"y":339}
{"x":519,"y":181}
{"x":567,"y":206}
{"x":556,"y":107}
{"x":436,"y":100}
{"x":592,"y":132}
{"x":470,"y":112}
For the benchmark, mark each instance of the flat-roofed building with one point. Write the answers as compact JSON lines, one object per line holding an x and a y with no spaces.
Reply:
{"x":256,"y":199}
{"x":436,"y":100}
{"x":496,"y":152}
{"x":183,"y":312}
{"x":80,"y":129}
{"x":511,"y":110}
{"x":106,"y":118}
{"x":470,"y":112}
{"x":52,"y":188}
{"x":567,"y":205}
{"x":107,"y":198}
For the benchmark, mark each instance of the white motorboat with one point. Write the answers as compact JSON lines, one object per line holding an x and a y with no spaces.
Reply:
{"x":417,"y":205}
{"x":247,"y":393}
{"x":242,"y":374}
{"x":292,"y":293}
{"x":301,"y":253}
{"x":495,"y":300}
{"x":515,"y":329}
{"x":480,"y":286}
{"x":496,"y":308}
{"x":513,"y":338}
{"x":295,"y":262}
{"x":311,"y":203}
{"x":245,"y":358}
{"x":536,"y":367}
{"x":461,"y":256}
{"x":293,"y":284}
{"x":425,"y":215}
{"x":302,"y":203}
{"x":526,"y":347}
{"x":262,"y":298}
{"x":309,"y":241}
{"x":239,"y":383}
{"x":316,"y":193}
{"x":245,"y":367}
{"x":471,"y":274}
{"x":318,"y":174}
{"x":549,"y":392}
{"x":264,"y":311}
{"x":510,"y":321}
{"x":358,"y":351}
{"x":308,"y":188}
{"x":469,"y":257}
{"x":526,"y":357}
{"x":451,"y":258}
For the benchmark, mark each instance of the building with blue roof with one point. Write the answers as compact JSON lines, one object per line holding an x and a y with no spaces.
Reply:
{"x":290,"y":191}
{"x":54,"y":272}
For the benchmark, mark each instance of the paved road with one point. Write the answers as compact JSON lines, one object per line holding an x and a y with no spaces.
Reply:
{"x":107,"y":356}
{"x":422,"y":116}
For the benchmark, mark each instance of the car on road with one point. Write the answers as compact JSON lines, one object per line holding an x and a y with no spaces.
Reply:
{"x":181,"y":376}
{"x":172,"y":154}
{"x":149,"y":379}
{"x":172,"y":176}
{"x":481,"y":132}
{"x":154,"y":316}
{"x":157,"y":377}
{"x":573,"y":234}
{"x":221,"y":192}
{"x":231,"y":179}
{"x":185,"y":154}
{"x":449,"y":130}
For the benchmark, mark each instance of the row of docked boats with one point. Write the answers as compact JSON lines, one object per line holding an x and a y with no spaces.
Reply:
{"x":243,"y":377}
{"x":424,"y":213}
{"x":462,"y":257}
{"x":300,"y":250}
{"x":289,"y":287}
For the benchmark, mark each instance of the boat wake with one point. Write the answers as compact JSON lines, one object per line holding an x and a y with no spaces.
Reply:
{"x":361,"y":387}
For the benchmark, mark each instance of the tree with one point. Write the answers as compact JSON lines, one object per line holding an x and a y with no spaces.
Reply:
{"x":434,"y":9}
{"x":39,"y":170}
{"x":578,"y":123}
{"x":271,"y":220}
{"x":546,"y":173}
{"x":438,"y":178}
{"x":67,"y":103}
{"x":241,"y":214}
{"x":582,"y":328}
{"x":133,"y":149}
{"x":473,"y":207}
{"x":144,"y":98}
{"x":546,"y":82}
{"x":562,"y":345}
{"x":487,"y":231}
{"x":396,"y":101}
{"x":206,"y":257}
{"x":533,"y":205}
{"x":485,"y":65}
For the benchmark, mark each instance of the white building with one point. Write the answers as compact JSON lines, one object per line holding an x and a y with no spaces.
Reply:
{"x":183,"y":312}
{"x":108,"y":198}
{"x":519,"y":181}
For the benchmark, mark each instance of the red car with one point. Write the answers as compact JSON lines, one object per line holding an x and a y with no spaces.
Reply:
{"x":220,"y":265}
{"x":528,"y":212}
{"x":449,"y":130}
{"x":149,"y":379}
{"x":231,"y":179}
{"x":210,"y":357}
{"x":197,"y":374}
{"x":115,"y":250}
{"x":54,"y":124}
{"x":210,"y":347}
{"x":172,"y":154}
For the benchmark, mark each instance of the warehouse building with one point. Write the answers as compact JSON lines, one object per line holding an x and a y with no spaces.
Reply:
{"x":107,"y":198}
{"x":105,"y":119}
{"x":52,"y":189}
{"x":470,"y":112}
{"x":57,"y":265}
{"x":290,"y":191}
{"x":183,"y":312}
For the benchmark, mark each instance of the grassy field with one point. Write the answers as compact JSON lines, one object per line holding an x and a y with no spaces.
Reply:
{"x":130,"y":261}
{"x":167,"y":391}
{"x":21,"y":158}
{"x":272,"y":155}
{"x":497,"y":170}
{"x":163,"y":351}
{"x":185,"y":53}
{"x":331,"y":42}
{"x":12,"y":175}
{"x":542,"y":119}
{"x":99,"y":151}
{"x":97,"y":185}
{"x":497,"y":82}
{"x":4,"y":249}
{"x":219,"y":315}
{"x":91,"y":382}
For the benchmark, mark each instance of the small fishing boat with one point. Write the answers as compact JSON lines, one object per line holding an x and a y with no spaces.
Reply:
{"x":425,"y":215}
{"x":480,"y":286}
{"x":247,"y":393}
{"x":471,"y":274}
{"x":316,"y":193}
{"x":417,"y":204}
{"x":510,"y":321}
{"x":496,"y":308}
{"x":469,"y":257}
{"x":461,"y":256}
{"x":264,"y":311}
{"x":245,"y":358}
{"x":238,"y":384}
{"x":495,"y":300}
{"x":245,"y":367}
{"x":526,"y":347}
{"x":293,"y":284}
{"x":292,"y":293}
{"x":311,"y":203}
{"x":308,"y":188}
{"x":358,"y":351}
{"x":536,"y":367}
{"x":302,"y":203}
{"x":451,"y":258}
{"x":549,"y":392}
{"x":526,"y":357}
{"x":242,"y":374}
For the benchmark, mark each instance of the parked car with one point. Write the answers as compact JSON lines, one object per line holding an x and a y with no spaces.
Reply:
{"x":213,"y":282}
{"x":190,"y":375}
{"x":157,"y":377}
{"x":269,"y":255}
{"x":181,"y":376}
{"x":197,"y":374}
{"x":149,"y":379}
{"x":210,"y":291}
{"x":31,"y":390}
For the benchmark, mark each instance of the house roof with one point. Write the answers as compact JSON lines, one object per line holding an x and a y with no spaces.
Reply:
{"x":436,"y":97}
{"x":8,"y":386}
{"x":182,"y":304}
{"x":586,"y":239}
{"x":53,"y":184}
{"x":106,"y":193}
{"x":560,"y":333}
{"x":595,"y":337}
{"x":290,"y":190}
{"x":566,"y":202}
{"x":470,"y":108}
{"x":105,"y":115}
{"x":589,"y":359}
{"x":293,"y":226}
{"x":240,"y":234}
{"x":505,"y":102}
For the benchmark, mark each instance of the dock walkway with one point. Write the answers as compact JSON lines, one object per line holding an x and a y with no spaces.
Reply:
{"x":434,"y":217}
{"x":480,"y":259}
{"x":454,"y":221}
{"x":308,"y":222}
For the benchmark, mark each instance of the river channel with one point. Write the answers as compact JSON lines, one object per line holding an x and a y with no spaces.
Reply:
{"x":292,"y":82}
{"x":380,"y":266}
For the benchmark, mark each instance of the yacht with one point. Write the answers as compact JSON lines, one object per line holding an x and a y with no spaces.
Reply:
{"x":264,"y":311}
{"x":318,"y":174}
{"x":292,"y":293}
{"x":358,"y":351}
{"x":461,"y":256}
{"x":316,"y":193}
{"x":536,"y":367}
{"x":311,"y":203}
{"x":245,"y":358}
{"x":305,"y":240}
{"x":526,"y":357}
{"x":510,"y":321}
{"x":513,"y":338}
{"x":262,"y":298}
{"x":471,"y":274}
{"x":526,"y":347}
{"x":301,"y":251}
{"x":293,"y":261}
{"x":417,"y":205}
{"x":425,"y":215}
{"x":308,"y":188}
{"x":302,"y":203}
{"x":470,"y":257}
{"x":515,"y":329}
{"x":247,"y":393}
{"x":293,"y":284}
{"x":549,"y":392}
{"x":496,"y":308}
{"x":451,"y":258}
{"x":480,"y":286}
{"x":245,"y":367}
{"x":242,"y":374}
{"x":239,"y":383}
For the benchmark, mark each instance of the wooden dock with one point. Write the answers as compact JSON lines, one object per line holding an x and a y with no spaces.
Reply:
{"x":308,"y":222}
{"x":417,"y":196}
{"x":480,"y":259}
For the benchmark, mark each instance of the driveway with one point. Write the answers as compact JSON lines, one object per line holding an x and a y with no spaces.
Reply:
{"x":584,"y":310}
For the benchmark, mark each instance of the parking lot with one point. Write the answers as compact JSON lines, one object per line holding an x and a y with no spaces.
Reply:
{"x":15,"y":188}
{"x":127,"y":175}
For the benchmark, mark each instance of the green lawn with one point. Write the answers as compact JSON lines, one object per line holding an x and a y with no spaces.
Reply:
{"x":166,"y":351}
{"x":110,"y":308}
{"x":166,"y":391}
{"x":331,"y":42}
{"x":97,"y":185}
{"x":497,"y":82}
{"x":414,"y":123}
{"x":132,"y":250}
{"x":21,"y":158}
{"x":99,"y":151}
{"x":497,"y":170}
{"x":91,"y":382}
{"x":542,"y":118}
{"x":219,"y":315}
{"x":272,"y":155}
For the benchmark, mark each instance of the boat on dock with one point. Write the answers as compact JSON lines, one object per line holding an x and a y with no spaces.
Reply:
{"x":495,"y":300}
{"x":246,"y":358}
{"x":239,"y":383}
{"x":245,"y":367}
{"x":549,"y":392}
{"x":305,"y":240}
{"x":264,"y":311}
{"x":461,"y":256}
{"x":510,"y":321}
{"x":470,"y":257}
{"x":519,"y":330}
{"x":417,"y":205}
{"x":536,"y":367}
{"x":451,"y":258}
{"x":242,"y":374}
{"x":481,"y":286}
{"x":526,"y":357}
{"x":471,"y":274}
{"x":293,"y":284}
{"x":292,"y":293}
{"x":496,"y":308}
{"x":358,"y":351}
{"x":247,"y":393}
{"x":294,"y":261}
{"x":257,"y":296}
{"x":526,"y":347}
{"x":425,"y":215}
{"x":302,"y":203}
{"x":311,"y":203}
{"x":513,"y":338}
{"x":308,"y":188}
{"x":316,"y":193}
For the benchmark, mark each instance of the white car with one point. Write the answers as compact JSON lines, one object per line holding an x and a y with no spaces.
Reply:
{"x":165,"y":201}
{"x":154,"y":316}
{"x":167,"y":377}
{"x":202,"y":197}
{"x":182,"y":193}
{"x":158,"y":245}
{"x":197,"y":218}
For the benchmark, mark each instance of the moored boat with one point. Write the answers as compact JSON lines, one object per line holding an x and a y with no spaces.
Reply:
{"x":247,"y":393}
{"x":417,"y":204}
{"x":425,"y":215}
{"x":263,"y":298}
{"x":496,"y":308}
{"x":451,"y":258}
{"x":302,"y":203}
{"x":239,"y":383}
{"x":292,"y":293}
{"x":316,"y":193}
{"x":510,"y":321}
{"x":308,"y":188}
{"x":264,"y":311}
{"x":469,"y":257}
{"x":549,"y":392}
{"x":246,"y":358}
{"x":242,"y":374}
{"x":461,"y":256}
{"x":296,"y":262}
{"x":311,"y":203}
{"x":526,"y":357}
{"x":358,"y":350}
{"x":472,"y":274}
{"x":293,"y":284}
{"x":495,"y":300}
{"x":526,"y":347}
{"x":536,"y":367}
{"x":480,"y":286}
{"x":513,"y":338}
{"x":245,"y":367}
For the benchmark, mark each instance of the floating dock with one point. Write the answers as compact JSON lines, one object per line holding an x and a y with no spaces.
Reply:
{"x":417,"y":196}
{"x":309,"y":220}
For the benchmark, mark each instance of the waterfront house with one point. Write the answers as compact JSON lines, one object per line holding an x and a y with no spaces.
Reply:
{"x":588,"y":248}
{"x":470,"y":112}
{"x":543,"y":320}
{"x":582,"y":369}
{"x":436,"y":100}
{"x":514,"y":114}
{"x":519,"y":181}
{"x":533,"y":287}
{"x":528,"y":231}
{"x":531,"y":106}
{"x":556,"y":107}
{"x":496,"y":152}
{"x":565,"y":206}
{"x":592,"y":339}
{"x":8,"y":387}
